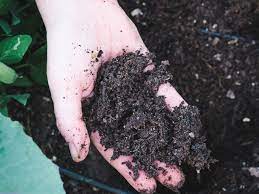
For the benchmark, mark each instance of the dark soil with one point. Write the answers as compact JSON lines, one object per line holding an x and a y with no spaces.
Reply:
{"x":215,"y":74}
{"x":133,"y":121}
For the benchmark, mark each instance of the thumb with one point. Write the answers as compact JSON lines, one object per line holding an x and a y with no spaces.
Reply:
{"x":68,"y":111}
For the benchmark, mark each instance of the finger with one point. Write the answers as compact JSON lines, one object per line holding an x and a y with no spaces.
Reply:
{"x":170,"y":175}
{"x":67,"y":105}
{"x":69,"y":75}
{"x":172,"y":97}
{"x":142,"y":184}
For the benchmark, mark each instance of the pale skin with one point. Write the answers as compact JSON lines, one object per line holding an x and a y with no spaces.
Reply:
{"x":76,"y":31}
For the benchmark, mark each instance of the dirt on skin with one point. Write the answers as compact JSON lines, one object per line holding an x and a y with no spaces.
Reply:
{"x":133,"y":121}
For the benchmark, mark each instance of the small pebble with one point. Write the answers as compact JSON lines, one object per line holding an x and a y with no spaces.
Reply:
{"x":224,"y":189}
{"x":215,"y":26}
{"x":54,"y":158}
{"x":237,"y":83}
{"x":241,"y":186}
{"x":95,"y":189}
{"x":229,"y":77}
{"x":232,"y":41}
{"x":230,"y":94}
{"x":215,"y":41}
{"x":191,"y":135}
{"x":254,"y":171}
{"x":246,"y":120}
{"x":136,"y":12}
{"x":204,"y":21}
{"x":46,"y":99}
{"x":218,"y":57}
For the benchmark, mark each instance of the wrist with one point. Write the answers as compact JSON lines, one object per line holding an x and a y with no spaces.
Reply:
{"x":55,"y":12}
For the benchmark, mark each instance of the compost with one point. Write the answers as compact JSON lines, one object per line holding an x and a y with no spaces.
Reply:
{"x":134,"y":122}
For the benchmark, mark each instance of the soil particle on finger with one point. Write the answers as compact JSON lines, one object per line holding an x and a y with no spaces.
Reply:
{"x":99,"y":53}
{"x":133,"y":121}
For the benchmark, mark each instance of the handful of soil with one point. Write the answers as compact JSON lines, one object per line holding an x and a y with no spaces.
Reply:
{"x":133,"y":121}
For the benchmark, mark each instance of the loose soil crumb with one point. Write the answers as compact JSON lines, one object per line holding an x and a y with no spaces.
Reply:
{"x":133,"y":121}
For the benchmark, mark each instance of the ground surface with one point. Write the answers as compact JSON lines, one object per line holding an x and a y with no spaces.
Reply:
{"x":214,"y":74}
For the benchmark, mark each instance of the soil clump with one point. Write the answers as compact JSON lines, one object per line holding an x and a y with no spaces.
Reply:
{"x":132,"y":120}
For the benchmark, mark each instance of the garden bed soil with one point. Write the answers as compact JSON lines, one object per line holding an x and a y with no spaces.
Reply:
{"x":216,"y":74}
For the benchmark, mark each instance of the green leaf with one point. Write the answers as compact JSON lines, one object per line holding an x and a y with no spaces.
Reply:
{"x":13,"y":49}
{"x":38,"y":68}
{"x":38,"y":74}
{"x":15,"y":19}
{"x":21,"y":98}
{"x":5,"y":27}
{"x":4,"y":110}
{"x":4,"y":99}
{"x":7,"y":74}
{"x":29,"y":25}
{"x":22,"y":81}
{"x":24,"y":168}
{"x":39,"y":56}
{"x":4,"y":6}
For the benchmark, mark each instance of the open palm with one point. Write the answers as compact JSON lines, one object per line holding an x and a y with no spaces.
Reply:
{"x":81,"y":36}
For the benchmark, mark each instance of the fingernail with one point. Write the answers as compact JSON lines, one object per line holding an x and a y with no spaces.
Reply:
{"x":74,"y":152}
{"x":176,"y":187}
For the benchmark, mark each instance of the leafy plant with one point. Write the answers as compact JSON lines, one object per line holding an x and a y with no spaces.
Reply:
{"x":4,"y":6}
{"x":12,"y":49}
{"x":23,"y":167}
{"x":7,"y":74}
{"x":4,"y":99}
{"x":22,"y":49}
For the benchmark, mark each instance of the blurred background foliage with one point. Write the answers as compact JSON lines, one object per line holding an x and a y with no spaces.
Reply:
{"x":22,"y":49}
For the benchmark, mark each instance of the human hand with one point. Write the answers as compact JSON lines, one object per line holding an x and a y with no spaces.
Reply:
{"x":76,"y":33}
